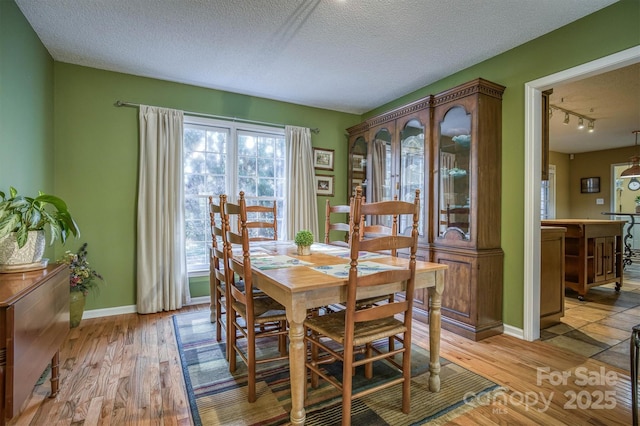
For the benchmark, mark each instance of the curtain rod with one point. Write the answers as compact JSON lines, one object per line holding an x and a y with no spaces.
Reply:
{"x":220,"y":117}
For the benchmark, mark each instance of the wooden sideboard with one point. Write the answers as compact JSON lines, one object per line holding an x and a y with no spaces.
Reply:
{"x":34,"y":321}
{"x":551,"y":275}
{"x":593,"y":253}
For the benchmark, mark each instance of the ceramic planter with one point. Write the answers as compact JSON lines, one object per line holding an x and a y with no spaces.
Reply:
{"x":29,"y":257}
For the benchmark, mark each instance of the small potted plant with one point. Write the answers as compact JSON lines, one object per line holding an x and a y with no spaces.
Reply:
{"x":82,"y":278}
{"x":22,"y":224}
{"x":303,"y":240}
{"x":638,"y":204}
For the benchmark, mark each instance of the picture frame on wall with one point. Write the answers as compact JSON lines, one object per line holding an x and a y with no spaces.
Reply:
{"x":324,"y":185}
{"x":590,"y":185}
{"x":323,"y":158}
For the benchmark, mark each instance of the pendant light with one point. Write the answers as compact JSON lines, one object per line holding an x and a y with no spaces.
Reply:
{"x":634,"y":170}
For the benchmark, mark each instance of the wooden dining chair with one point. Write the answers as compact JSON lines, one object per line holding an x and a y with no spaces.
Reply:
{"x":355,"y":330}
{"x":330,"y":225}
{"x":262,"y":222}
{"x":251,"y":316}
{"x":217,"y":274}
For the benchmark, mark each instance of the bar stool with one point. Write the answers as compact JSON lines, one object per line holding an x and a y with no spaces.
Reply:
{"x":635,"y":350}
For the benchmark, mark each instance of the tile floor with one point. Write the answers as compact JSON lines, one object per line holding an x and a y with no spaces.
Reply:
{"x":600,"y":326}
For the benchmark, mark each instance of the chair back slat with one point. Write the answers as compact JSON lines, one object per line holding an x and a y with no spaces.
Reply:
{"x":330,"y":225}
{"x":262,"y":217}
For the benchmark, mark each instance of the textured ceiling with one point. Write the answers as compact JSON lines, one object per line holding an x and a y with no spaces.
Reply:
{"x":343,"y":55}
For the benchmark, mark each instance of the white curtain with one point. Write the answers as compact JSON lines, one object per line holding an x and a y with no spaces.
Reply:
{"x":302,"y":204}
{"x":162,"y":281}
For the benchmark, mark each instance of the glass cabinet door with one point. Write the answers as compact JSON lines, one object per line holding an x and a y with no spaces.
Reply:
{"x":412,"y":172}
{"x":454,"y":157}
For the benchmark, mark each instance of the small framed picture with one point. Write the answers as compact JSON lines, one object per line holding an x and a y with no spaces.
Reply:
{"x":323,"y":158}
{"x":324,"y":185}
{"x":357,"y":162}
{"x":590,"y":185}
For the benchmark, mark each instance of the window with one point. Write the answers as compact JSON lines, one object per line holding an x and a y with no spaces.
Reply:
{"x":548,"y":195}
{"x":226,"y":158}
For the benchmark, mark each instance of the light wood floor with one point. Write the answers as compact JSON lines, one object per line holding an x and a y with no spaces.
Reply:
{"x":125,"y":369}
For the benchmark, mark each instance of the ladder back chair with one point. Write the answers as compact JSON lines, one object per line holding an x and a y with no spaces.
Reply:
{"x":355,"y":330}
{"x":251,"y":315}
{"x":329,"y":225}
{"x":261,"y":218}
{"x":217,"y":274}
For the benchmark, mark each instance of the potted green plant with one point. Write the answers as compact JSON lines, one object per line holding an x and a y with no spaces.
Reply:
{"x":303,"y":240}
{"x":82,"y":279}
{"x":23,"y":221}
{"x":638,"y":204}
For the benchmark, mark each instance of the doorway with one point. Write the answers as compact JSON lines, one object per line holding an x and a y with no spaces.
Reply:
{"x":533,"y":137}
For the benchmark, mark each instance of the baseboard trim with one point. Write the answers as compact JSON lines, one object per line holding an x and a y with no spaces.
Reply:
{"x":510,"y":330}
{"x":131,"y":309}
{"x":107,"y":312}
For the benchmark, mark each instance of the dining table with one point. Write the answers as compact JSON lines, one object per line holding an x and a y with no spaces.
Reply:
{"x":304,"y":282}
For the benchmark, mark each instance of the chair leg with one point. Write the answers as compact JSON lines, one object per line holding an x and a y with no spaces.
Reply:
{"x":217,"y":305}
{"x":635,"y":350}
{"x":231,"y":338}
{"x":251,"y":363}
{"x":406,"y":373}
{"x":314,"y":359}
{"x":368,"y":367}
{"x":282,"y":339}
{"x":347,"y":385}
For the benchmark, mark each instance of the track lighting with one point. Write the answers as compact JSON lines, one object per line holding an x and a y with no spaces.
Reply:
{"x":581,"y":118}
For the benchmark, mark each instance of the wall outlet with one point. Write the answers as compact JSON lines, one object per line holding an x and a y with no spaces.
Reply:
{"x":599,"y":200}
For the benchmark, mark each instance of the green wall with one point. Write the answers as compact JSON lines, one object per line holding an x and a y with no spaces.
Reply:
{"x":26,"y":107}
{"x":603,"y":33}
{"x":96,"y":157}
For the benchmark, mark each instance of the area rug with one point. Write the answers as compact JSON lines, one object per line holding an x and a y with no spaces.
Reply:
{"x":217,"y":397}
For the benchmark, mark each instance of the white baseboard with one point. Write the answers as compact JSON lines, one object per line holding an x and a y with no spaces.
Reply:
{"x":131,"y":309}
{"x":106,"y":312}
{"x":200,"y":300}
{"x":510,"y":330}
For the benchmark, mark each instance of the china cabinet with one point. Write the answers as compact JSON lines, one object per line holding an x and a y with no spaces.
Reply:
{"x":449,"y":146}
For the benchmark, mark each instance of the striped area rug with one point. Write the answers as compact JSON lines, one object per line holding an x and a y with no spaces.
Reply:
{"x":217,"y":397}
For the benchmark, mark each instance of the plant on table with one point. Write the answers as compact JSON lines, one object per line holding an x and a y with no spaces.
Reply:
{"x":303,"y":240}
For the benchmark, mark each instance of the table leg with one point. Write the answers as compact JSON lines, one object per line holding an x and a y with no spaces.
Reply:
{"x":297,"y":356}
{"x":55,"y":374}
{"x":435,"y":296}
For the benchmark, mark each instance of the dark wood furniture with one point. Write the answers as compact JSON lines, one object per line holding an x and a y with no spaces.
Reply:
{"x":551,"y":275}
{"x":593,"y":253}
{"x":34,"y":321}
{"x":449,"y":146}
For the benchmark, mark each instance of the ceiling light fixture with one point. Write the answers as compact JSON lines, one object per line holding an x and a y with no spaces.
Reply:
{"x":634,"y":170}
{"x":567,"y":116}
